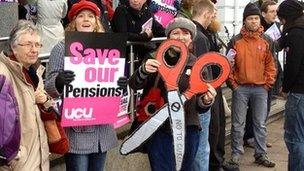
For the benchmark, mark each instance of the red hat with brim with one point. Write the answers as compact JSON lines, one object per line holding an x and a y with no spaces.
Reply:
{"x":83,"y":4}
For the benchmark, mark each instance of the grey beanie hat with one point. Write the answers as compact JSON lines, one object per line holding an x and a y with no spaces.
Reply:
{"x":181,"y":22}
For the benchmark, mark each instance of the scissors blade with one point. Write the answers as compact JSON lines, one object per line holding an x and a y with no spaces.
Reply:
{"x":183,"y":98}
{"x":145,"y":131}
{"x":177,"y":119}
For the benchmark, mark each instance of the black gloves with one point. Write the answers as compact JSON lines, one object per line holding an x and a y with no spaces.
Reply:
{"x":64,"y":78}
{"x":122,"y":82}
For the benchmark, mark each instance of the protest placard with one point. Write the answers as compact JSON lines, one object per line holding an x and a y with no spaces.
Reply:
{"x":98,"y":60}
{"x":166,"y":10}
{"x":274,"y":32}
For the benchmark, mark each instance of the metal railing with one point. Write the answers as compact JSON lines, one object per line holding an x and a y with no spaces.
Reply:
{"x":44,"y":58}
{"x":132,"y":62}
{"x":2,"y":39}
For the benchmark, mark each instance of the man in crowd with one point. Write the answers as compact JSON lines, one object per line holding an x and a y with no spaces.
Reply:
{"x":203,"y":13}
{"x":269,"y":15}
{"x":253,"y":76}
{"x":290,"y":13}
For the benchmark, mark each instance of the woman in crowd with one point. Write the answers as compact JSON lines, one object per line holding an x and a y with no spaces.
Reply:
{"x":104,"y":15}
{"x":18,"y":65}
{"x":159,"y":147}
{"x":49,"y":15}
{"x":88,"y":144}
{"x":130,"y":18}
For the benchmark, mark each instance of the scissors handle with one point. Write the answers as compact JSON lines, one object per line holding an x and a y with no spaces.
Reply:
{"x":197,"y":84}
{"x":171,"y":74}
{"x":145,"y":131}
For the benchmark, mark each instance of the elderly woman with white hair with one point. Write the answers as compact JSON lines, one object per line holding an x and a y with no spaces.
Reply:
{"x":19,"y":67}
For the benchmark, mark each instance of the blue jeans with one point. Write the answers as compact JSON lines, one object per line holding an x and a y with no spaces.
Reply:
{"x":161,"y":154}
{"x":85,"y":162}
{"x":294,"y":131}
{"x":257,"y":96}
{"x":201,"y":161}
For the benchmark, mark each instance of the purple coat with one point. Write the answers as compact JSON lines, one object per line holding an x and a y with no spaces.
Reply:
{"x":9,"y":122}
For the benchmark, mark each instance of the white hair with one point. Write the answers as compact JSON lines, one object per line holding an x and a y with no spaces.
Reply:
{"x":22,"y":27}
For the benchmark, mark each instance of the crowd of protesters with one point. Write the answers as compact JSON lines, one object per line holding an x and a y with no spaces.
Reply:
{"x":256,"y":78}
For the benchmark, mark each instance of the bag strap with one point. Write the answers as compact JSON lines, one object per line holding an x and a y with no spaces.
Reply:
{"x":1,"y":154}
{"x":156,"y":81}
{"x":2,"y":81}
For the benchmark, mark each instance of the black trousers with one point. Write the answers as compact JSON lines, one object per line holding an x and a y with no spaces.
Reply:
{"x":217,"y":133}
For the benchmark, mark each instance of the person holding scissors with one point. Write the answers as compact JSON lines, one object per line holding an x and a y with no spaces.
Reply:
{"x":159,"y":147}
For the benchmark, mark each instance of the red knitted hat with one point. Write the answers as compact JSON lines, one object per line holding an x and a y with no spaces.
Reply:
{"x":83,"y":4}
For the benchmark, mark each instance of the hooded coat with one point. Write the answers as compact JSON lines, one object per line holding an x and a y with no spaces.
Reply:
{"x":293,"y":43}
{"x":254,"y":62}
{"x":49,"y":14}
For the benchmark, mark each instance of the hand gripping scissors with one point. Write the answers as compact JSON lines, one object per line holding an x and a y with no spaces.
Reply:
{"x":174,"y":109}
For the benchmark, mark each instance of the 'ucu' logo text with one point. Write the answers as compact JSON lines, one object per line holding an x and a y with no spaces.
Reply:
{"x":78,"y":113}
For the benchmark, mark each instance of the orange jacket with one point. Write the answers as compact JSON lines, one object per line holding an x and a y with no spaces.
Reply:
{"x":254,"y":61}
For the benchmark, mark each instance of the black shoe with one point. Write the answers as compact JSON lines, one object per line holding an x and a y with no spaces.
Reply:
{"x":264,"y":161}
{"x":230,"y":167}
{"x":216,"y":168}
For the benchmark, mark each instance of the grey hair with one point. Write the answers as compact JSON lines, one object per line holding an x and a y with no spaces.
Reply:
{"x":22,"y":27}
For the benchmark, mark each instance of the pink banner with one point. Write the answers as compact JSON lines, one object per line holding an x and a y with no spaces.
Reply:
{"x":121,"y":121}
{"x":166,"y":10}
{"x":93,"y":111}
{"x":163,"y":18}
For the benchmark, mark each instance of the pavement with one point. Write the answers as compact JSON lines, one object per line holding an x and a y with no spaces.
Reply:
{"x":278,"y":153}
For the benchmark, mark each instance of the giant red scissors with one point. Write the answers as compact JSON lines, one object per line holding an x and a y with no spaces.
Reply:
{"x":174,"y":109}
